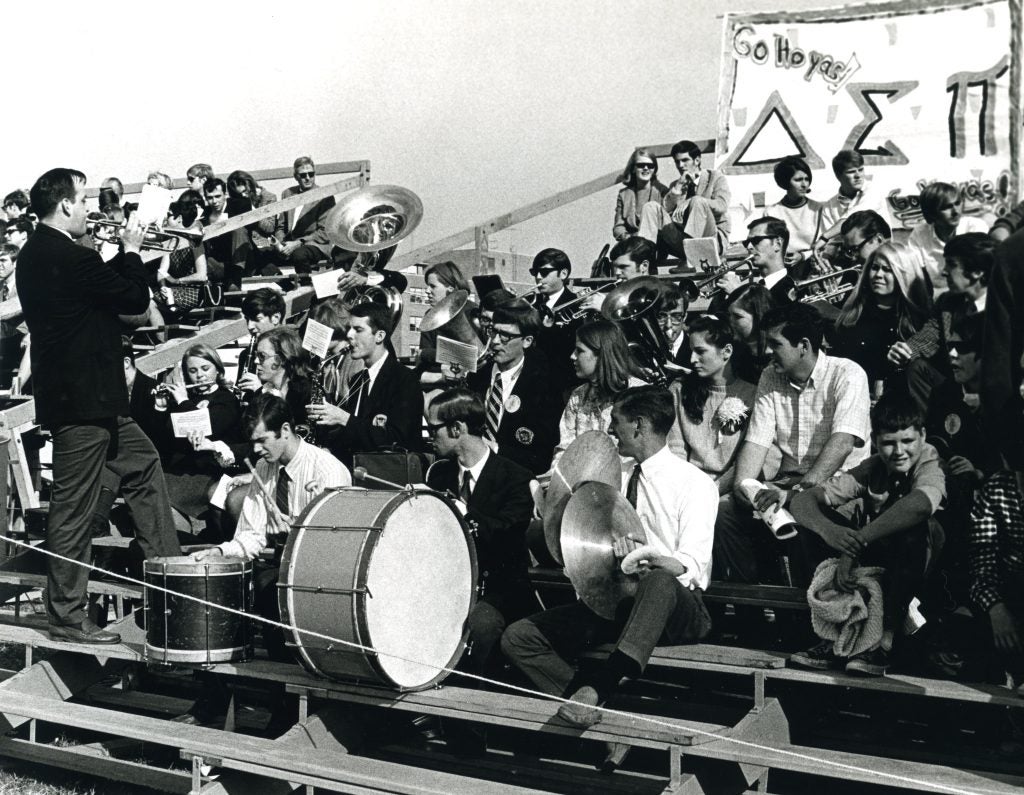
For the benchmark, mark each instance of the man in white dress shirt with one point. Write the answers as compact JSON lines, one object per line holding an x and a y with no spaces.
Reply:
{"x":677,"y":504}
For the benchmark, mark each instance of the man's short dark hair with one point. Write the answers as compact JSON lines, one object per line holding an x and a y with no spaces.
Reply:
{"x":774,"y":227}
{"x":796,"y":322}
{"x":461,"y":405}
{"x":868,"y":223}
{"x":895,"y":411}
{"x":492,"y":299}
{"x":846,"y":158}
{"x":264,"y":301}
{"x":271,"y":410}
{"x":975,"y":252}
{"x":52,"y":188}
{"x":653,"y":403}
{"x":213,"y":183}
{"x":11,"y":250}
{"x":967,"y":333}
{"x":379,"y":318}
{"x":638,"y":249}
{"x":18,"y":198}
{"x":554,"y":258}
{"x":522,"y":315}
{"x":789,"y":167}
{"x":685,"y":147}
{"x":21,"y":224}
{"x":303,"y":160}
{"x":671,"y":297}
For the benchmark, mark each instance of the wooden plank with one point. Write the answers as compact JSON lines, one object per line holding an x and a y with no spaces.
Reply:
{"x":311,"y":196}
{"x":699,"y":655}
{"x":264,"y":175}
{"x":756,"y":594}
{"x":503,"y":709}
{"x":264,"y":756}
{"x":167,"y":355}
{"x":95,"y":586}
{"x":880,"y":771}
{"x":81,"y":761}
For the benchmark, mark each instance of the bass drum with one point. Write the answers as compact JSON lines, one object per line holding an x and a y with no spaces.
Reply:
{"x":394,"y":572}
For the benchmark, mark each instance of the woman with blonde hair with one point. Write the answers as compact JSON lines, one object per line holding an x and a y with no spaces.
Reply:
{"x":889,"y":303}
{"x":640,"y":178}
{"x":442,"y":279}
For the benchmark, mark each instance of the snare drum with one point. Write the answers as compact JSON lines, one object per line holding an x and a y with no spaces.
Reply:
{"x":180,"y":630}
{"x":394,"y":572}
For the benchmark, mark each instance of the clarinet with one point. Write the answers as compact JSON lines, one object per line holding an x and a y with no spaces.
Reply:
{"x":317,"y":394}
{"x":250,"y":367}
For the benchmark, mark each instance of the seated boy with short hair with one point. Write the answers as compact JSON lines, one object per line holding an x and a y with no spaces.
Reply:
{"x":879,"y":513}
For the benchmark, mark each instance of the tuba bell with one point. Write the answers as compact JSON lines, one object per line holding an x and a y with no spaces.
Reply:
{"x":450,"y":318}
{"x":633,"y":305}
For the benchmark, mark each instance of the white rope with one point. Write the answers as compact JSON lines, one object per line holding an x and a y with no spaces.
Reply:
{"x":675,"y":726}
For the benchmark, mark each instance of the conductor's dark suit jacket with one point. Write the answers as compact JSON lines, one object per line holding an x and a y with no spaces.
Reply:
{"x":391,"y":415}
{"x":529,"y":434}
{"x":500,"y":506}
{"x":71,"y":299}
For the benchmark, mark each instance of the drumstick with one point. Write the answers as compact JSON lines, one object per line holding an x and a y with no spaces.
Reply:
{"x":265,"y":490}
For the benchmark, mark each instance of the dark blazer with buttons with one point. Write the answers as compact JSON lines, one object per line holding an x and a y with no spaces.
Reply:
{"x":71,"y":299}
{"x":392,"y":414}
{"x":500,"y":506}
{"x":557,"y":343}
{"x":529,"y":434}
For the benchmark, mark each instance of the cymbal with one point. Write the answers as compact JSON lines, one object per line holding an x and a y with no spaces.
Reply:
{"x":596,"y":515}
{"x":373,"y":217}
{"x":592,"y":455}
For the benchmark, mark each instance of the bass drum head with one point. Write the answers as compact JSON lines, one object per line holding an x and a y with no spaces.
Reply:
{"x":422,"y":580}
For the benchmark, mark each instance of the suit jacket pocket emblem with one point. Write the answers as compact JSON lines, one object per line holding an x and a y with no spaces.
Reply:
{"x":380,"y":420}
{"x":524,"y":436}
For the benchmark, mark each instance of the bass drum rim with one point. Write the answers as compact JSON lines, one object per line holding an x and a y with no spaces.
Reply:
{"x":359,"y":615}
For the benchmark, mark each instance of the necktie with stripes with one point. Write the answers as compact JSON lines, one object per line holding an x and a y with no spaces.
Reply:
{"x":494,"y":407}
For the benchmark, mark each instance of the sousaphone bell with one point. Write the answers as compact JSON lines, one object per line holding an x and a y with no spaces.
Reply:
{"x":634,"y":305}
{"x":450,"y":317}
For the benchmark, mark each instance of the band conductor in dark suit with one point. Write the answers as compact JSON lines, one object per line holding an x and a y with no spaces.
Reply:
{"x":71,"y":300}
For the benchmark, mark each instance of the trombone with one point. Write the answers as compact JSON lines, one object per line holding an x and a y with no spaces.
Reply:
{"x":156,"y":239}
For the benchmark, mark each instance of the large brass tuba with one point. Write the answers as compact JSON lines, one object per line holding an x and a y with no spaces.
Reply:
{"x":634,"y":306}
{"x":450,"y":317}
{"x":372,"y":221}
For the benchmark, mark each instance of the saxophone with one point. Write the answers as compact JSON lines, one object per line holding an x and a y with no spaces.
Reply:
{"x":318,"y":394}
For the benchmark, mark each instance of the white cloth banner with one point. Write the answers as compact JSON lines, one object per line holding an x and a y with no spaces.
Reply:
{"x":925,"y":91}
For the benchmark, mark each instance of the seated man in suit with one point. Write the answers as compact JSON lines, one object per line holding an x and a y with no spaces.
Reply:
{"x":496,"y":493}
{"x":383,"y":404}
{"x":676,"y":503}
{"x":696,"y":205}
{"x":306,"y":243}
{"x":522,"y":410}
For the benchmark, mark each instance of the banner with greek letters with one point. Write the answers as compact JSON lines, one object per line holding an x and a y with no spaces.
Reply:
{"x":924,"y":91}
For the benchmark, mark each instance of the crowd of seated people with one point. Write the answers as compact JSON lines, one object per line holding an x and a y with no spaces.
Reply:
{"x":861,"y":418}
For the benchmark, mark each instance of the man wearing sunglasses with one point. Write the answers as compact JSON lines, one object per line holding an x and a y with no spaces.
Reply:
{"x":522,"y":407}
{"x":767,"y":240}
{"x":306,"y":241}
{"x":556,"y":338}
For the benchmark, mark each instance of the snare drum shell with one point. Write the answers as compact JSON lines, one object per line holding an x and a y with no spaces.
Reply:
{"x":182,"y":630}
{"x":325,"y":584}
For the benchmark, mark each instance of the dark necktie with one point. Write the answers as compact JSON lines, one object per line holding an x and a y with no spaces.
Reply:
{"x":359,"y":390}
{"x":633,"y":486}
{"x":464,"y":489}
{"x":281,"y":492}
{"x":494,"y":407}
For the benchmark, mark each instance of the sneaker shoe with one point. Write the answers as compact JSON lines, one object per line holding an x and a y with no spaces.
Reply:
{"x":820,"y":658}
{"x":869,"y":663}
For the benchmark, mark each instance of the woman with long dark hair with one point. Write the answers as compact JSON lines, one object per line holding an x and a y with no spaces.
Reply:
{"x":744,"y":310}
{"x":713,"y":403}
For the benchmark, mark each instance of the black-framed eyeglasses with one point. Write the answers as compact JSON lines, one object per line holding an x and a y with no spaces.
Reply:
{"x":853,"y":252}
{"x":433,"y":428}
{"x":541,"y":272}
{"x":306,"y":174}
{"x":675,"y":317}
{"x":644,"y":166}
{"x":753,"y":240}
{"x":961,"y":347}
{"x":506,"y":336}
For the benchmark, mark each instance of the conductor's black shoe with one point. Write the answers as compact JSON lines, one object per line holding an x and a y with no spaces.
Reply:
{"x":86,"y":632}
{"x":820,"y":658}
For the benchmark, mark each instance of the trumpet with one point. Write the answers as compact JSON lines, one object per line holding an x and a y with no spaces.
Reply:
{"x":563,"y":315}
{"x":826,"y":276}
{"x":156,"y":239}
{"x":839,"y":292}
{"x":702,"y":286}
{"x":164,"y":389}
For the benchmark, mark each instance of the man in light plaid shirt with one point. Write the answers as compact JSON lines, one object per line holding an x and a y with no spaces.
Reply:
{"x":815,"y":409}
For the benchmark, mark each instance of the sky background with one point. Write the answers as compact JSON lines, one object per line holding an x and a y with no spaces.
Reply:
{"x":479,"y":107}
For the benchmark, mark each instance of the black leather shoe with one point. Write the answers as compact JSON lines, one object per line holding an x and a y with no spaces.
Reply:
{"x":617,"y":753}
{"x":86,"y":632}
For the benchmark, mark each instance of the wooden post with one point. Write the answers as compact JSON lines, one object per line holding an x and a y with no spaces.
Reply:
{"x":483,"y":245}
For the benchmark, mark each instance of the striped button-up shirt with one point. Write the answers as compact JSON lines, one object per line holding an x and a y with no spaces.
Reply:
{"x":800,"y":419}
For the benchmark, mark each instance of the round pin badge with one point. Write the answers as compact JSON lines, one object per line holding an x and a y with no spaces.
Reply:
{"x":512,"y":404}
